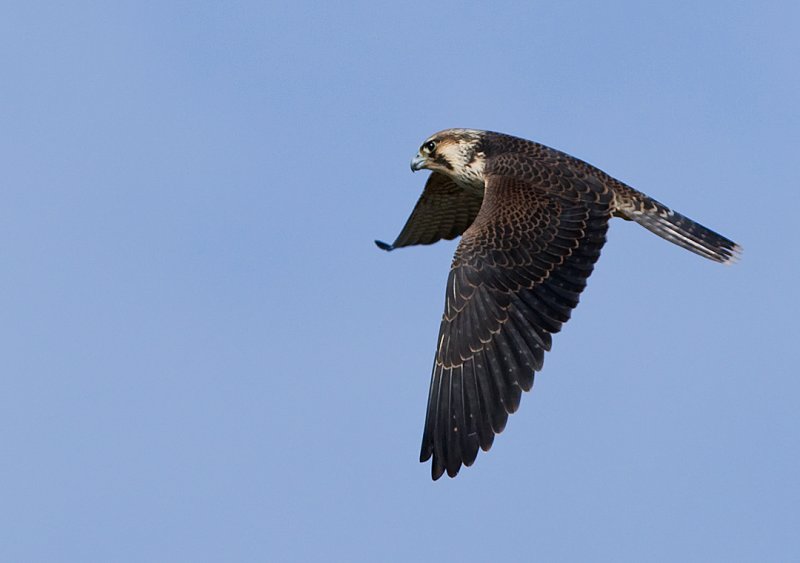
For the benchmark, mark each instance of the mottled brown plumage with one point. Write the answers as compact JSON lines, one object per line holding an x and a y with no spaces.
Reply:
{"x":533,"y":221}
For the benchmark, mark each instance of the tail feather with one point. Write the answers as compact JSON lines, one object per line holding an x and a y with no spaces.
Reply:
{"x":684,"y":232}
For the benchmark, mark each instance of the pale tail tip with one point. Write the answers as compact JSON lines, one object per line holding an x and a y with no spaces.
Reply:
{"x":735,"y":255}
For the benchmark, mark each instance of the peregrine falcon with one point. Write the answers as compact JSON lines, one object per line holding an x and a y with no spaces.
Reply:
{"x":533,"y":221}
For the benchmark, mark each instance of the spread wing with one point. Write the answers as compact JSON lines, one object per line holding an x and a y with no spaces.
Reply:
{"x":516,"y":276}
{"x":444,"y":211}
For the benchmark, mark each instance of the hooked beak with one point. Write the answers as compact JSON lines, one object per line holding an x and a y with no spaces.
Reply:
{"x":417,"y":163}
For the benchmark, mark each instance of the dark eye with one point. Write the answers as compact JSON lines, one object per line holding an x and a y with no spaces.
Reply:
{"x":429,"y":146}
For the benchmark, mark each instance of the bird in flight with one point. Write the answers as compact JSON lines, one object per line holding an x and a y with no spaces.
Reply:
{"x":532,"y":222}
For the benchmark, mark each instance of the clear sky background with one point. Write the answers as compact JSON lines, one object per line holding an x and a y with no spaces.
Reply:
{"x":205,"y":358}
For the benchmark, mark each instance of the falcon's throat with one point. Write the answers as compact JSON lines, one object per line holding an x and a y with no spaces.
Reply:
{"x":468,"y":163}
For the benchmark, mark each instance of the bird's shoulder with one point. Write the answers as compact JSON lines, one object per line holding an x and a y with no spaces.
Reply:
{"x":543,"y":168}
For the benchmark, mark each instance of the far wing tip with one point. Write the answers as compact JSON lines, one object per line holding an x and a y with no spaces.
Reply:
{"x":384,"y":246}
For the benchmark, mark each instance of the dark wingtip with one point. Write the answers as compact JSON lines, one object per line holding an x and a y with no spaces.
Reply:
{"x":437,"y":469}
{"x":384,"y":246}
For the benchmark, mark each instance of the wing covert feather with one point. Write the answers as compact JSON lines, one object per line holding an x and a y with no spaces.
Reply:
{"x":516,"y":276}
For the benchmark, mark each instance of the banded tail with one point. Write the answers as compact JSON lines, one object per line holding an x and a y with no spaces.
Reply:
{"x":676,"y":228}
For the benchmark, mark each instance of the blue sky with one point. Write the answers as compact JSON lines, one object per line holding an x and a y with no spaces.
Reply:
{"x":205,"y":358}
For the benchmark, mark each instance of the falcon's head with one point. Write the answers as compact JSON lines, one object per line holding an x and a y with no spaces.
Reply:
{"x":457,"y":153}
